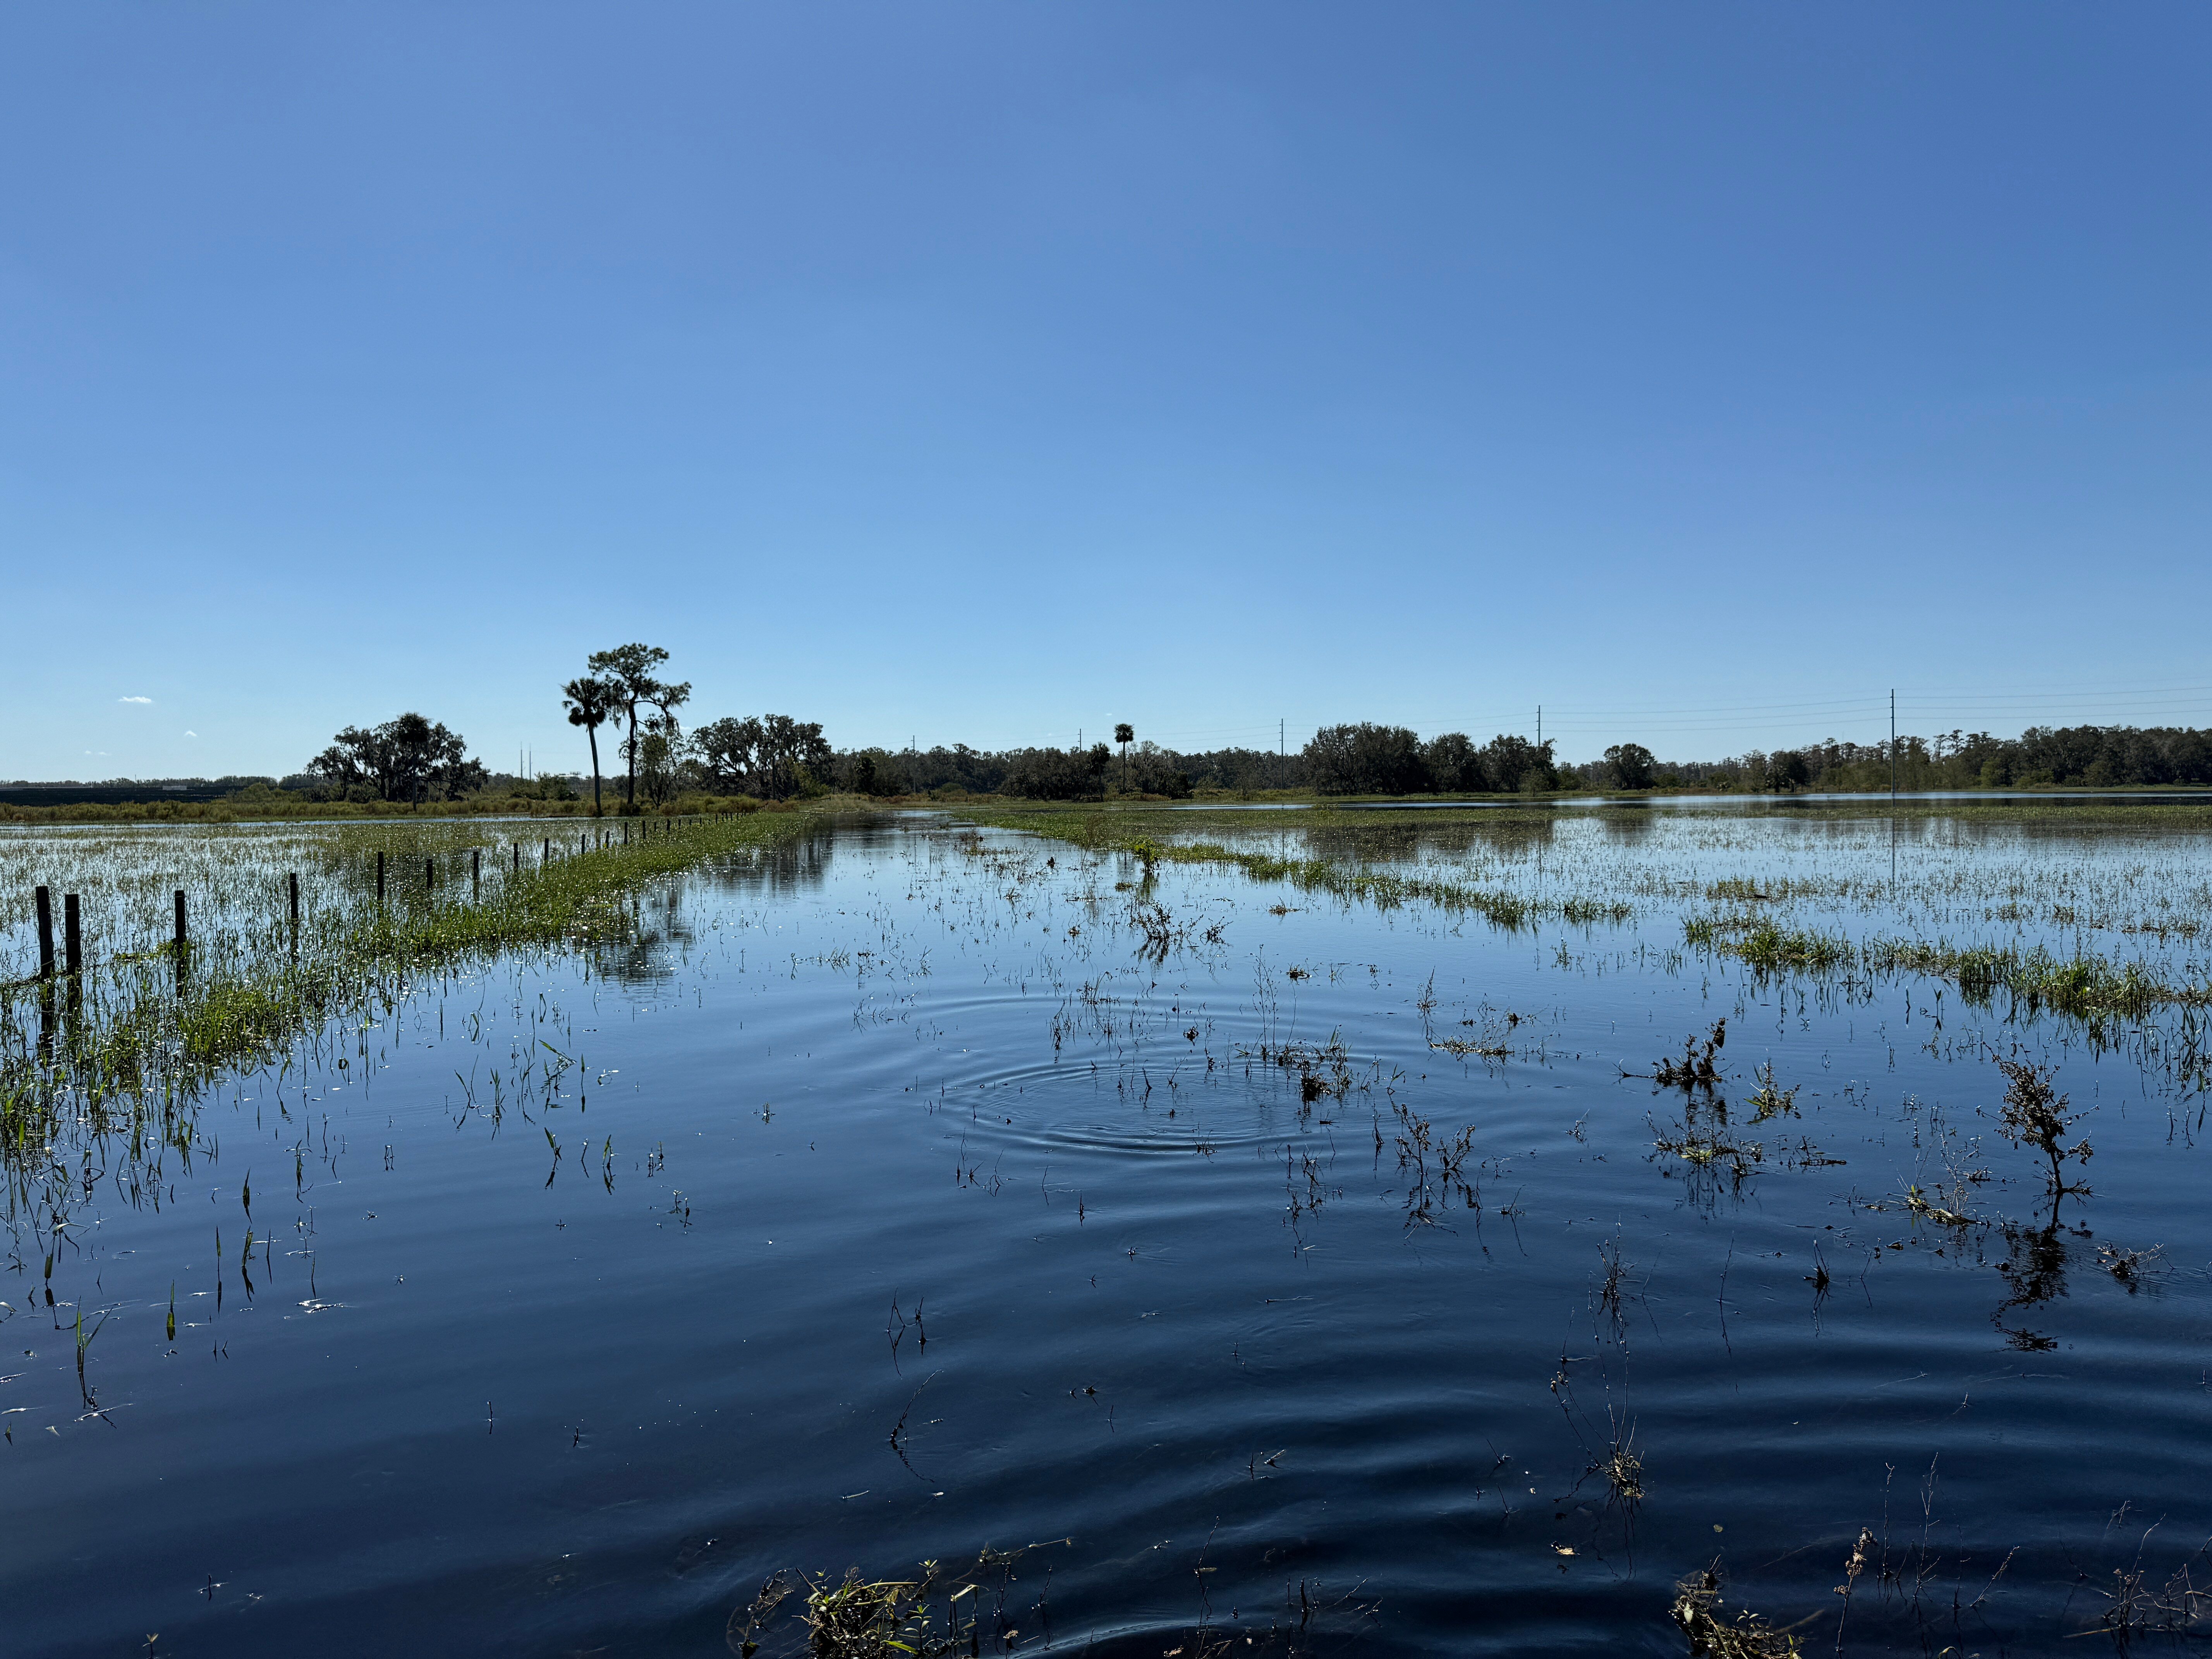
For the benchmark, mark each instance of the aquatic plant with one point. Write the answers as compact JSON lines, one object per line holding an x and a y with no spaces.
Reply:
{"x":2035,"y":1115}
{"x":1382,"y":888}
{"x":2085,"y":985}
{"x":125,"y":1046}
{"x":1696,"y":1611}
{"x":859,"y":1618}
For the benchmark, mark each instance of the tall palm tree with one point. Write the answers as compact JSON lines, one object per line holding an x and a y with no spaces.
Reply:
{"x":1125,"y":734}
{"x":591,"y":704}
{"x":627,"y":673}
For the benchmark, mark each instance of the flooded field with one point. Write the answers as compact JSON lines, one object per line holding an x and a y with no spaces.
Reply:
{"x":1437,"y":1234}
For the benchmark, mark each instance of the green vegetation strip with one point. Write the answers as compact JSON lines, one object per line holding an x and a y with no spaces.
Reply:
{"x":131,"y":1043}
{"x":2086,"y":984}
{"x":1098,"y":832}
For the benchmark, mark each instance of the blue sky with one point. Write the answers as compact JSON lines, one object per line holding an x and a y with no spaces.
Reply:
{"x":980,"y":373}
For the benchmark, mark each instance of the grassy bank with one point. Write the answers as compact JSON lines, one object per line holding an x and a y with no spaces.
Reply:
{"x":126,"y":1045}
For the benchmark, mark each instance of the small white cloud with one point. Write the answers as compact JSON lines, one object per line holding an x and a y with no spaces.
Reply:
{"x":134,"y":700}
{"x":192,"y":734}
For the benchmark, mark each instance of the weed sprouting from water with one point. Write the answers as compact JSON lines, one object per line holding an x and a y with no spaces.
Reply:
{"x":1696,"y":1069}
{"x":2035,"y":1115}
{"x":1696,"y":1611}
{"x":1609,"y":1289}
{"x":936,"y":1614}
{"x":1770,"y":1100}
{"x":1623,"y":1469}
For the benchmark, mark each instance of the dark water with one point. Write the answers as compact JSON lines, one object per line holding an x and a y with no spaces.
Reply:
{"x":906,"y":1202}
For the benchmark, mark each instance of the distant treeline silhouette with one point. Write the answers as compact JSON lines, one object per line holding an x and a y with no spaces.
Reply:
{"x":775,"y":756}
{"x":1369,"y":759}
{"x":2086,"y":757}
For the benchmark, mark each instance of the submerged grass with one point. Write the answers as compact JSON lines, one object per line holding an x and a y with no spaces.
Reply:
{"x":1100,"y":832}
{"x":2085,"y":984}
{"x":126,"y":1045}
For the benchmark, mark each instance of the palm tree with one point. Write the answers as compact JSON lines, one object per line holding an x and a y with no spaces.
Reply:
{"x":591,"y":703}
{"x":627,"y":673}
{"x":1125,"y":734}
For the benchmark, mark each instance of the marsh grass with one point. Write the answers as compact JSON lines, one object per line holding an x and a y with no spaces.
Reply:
{"x":2085,"y":985}
{"x":125,"y":1048}
{"x":1099,"y":832}
{"x":1786,"y":896}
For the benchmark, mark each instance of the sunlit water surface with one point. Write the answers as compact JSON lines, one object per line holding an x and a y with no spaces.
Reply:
{"x":893,"y":1196}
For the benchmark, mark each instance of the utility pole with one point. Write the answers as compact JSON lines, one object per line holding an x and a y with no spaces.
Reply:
{"x":1892,"y":746}
{"x":1540,"y":725}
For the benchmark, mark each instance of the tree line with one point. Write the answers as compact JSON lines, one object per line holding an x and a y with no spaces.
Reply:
{"x":2080,"y":756}
{"x":1369,"y":758}
{"x":625,"y":692}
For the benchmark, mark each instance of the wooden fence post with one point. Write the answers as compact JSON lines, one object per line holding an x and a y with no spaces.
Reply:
{"x":293,"y":882}
{"x":72,"y":935}
{"x":379,"y":875}
{"x":180,"y":921}
{"x":45,"y":907}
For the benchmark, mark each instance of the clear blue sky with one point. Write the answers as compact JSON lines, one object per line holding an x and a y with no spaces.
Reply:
{"x":985,"y":372}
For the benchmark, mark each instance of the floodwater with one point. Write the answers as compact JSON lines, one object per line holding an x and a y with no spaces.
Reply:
{"x":1728,"y":803}
{"x":1292,"y":1274}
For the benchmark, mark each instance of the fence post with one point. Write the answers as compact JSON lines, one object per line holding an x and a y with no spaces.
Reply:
{"x":46,"y":906}
{"x":72,"y":936}
{"x":429,"y":874}
{"x":547,"y":856}
{"x":476,"y":868}
{"x":293,"y":882}
{"x":379,"y":875}
{"x":180,"y":921}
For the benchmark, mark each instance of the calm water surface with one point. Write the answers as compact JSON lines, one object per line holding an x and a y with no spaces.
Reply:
{"x":893,"y":1195}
